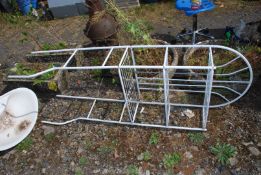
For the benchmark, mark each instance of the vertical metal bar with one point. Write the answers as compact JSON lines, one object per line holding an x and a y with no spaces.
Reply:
{"x":123,"y":110}
{"x":195,"y":22}
{"x":124,"y":93}
{"x":208,"y":90}
{"x":93,"y":104}
{"x":166,"y":92}
{"x":107,"y":57}
{"x":135,"y":73}
{"x":123,"y":83}
{"x":135,"y":113}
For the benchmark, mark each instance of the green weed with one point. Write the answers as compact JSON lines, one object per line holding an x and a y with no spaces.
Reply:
{"x":46,"y":76}
{"x":146,"y":156}
{"x":56,"y":46}
{"x":154,"y":138}
{"x":105,"y":149}
{"x":88,"y":144}
{"x":21,"y":69}
{"x":223,"y":152}
{"x":25,"y":144}
{"x":83,"y":161}
{"x":11,"y":18}
{"x":78,"y":171}
{"x":196,"y":137}
{"x":170,"y":160}
{"x":49,"y":137}
{"x":96,"y":72}
{"x":138,"y":29}
{"x":132,"y":170}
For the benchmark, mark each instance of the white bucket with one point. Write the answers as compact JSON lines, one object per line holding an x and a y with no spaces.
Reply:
{"x":18,"y":115}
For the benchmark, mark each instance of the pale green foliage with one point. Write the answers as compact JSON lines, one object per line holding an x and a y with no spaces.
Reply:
{"x":170,"y":160}
{"x":223,"y":152}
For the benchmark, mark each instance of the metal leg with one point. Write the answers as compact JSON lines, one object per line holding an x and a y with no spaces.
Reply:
{"x":205,"y":35}
{"x":195,"y":31}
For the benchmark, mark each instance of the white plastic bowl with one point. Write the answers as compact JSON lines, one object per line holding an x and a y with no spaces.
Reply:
{"x":18,"y":102}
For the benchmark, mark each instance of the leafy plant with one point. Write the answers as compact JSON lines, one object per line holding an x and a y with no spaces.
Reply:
{"x":49,"y":137}
{"x":20,"y":69}
{"x":56,"y":46}
{"x":146,"y":156}
{"x":46,"y":76}
{"x":96,"y":72}
{"x":83,"y":161}
{"x":138,"y":29}
{"x":133,"y":170}
{"x":105,"y":149}
{"x":170,"y":160}
{"x":223,"y":152}
{"x":11,"y":18}
{"x":154,"y":138}
{"x":25,"y":144}
{"x":196,"y":137}
{"x":78,"y":171}
{"x":88,"y":144}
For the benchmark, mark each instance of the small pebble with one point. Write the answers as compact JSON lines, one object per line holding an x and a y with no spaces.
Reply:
{"x":44,"y":170}
{"x":254,"y":151}
{"x":233,"y":161}
{"x":188,"y":155}
{"x":96,"y":171}
{"x":247,"y":143}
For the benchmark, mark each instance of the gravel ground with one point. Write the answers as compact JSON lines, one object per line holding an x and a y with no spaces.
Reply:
{"x":94,"y":148}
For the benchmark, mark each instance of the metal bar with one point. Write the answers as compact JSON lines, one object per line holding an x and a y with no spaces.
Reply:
{"x":123,"y":56}
{"x":200,"y":81}
{"x":124,"y":123}
{"x":89,"y":98}
{"x":232,"y":73}
{"x":166,"y":92}
{"x":93,"y":104}
{"x":61,"y":68}
{"x":122,"y":86}
{"x":107,"y":57}
{"x":231,"y":61}
{"x":191,"y":91}
{"x":131,"y":101}
{"x":134,"y":101}
{"x":106,"y":67}
{"x":130,"y":46}
{"x":208,"y":90}
{"x":135,"y":72}
{"x":70,"y":58}
{"x":123,"y":110}
{"x":195,"y":85}
{"x":135,"y":113}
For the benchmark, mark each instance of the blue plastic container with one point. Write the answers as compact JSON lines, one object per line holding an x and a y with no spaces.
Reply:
{"x":24,"y":6}
{"x":34,"y":4}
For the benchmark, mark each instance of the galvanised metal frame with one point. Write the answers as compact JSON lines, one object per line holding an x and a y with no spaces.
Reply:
{"x":133,"y":82}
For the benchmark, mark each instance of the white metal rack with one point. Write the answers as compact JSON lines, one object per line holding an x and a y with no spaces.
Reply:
{"x":228,"y":82}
